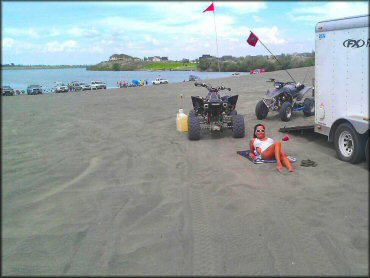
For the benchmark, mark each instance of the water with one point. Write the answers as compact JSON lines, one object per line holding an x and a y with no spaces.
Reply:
{"x":20,"y":79}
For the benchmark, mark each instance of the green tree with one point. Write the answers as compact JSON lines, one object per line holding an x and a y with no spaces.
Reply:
{"x":116,"y":67}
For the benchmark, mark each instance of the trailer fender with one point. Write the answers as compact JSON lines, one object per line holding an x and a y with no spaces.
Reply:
{"x":361,"y":126}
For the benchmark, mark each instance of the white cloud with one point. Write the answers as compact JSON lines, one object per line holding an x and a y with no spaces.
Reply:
{"x":242,"y":7}
{"x":56,"y":46}
{"x":22,"y":32}
{"x":326,"y":11}
{"x":7,"y":42}
{"x":257,"y":18}
{"x":269,"y":35}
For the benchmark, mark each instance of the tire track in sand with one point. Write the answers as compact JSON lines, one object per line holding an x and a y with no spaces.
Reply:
{"x":94,"y":162}
{"x":204,"y":256}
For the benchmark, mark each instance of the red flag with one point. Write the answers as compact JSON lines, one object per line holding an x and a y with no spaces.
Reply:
{"x":211,"y":8}
{"x":252,"y":39}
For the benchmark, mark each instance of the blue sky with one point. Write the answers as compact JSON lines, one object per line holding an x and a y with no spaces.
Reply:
{"x":73,"y":33}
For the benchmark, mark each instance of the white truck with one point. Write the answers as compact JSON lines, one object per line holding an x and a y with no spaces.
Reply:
{"x":158,"y":81}
{"x":342,"y":85}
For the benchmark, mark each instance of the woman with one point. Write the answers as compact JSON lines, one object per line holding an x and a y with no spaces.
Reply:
{"x":267,"y":148}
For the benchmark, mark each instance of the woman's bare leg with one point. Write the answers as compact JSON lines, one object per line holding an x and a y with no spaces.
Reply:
{"x":278,"y":156}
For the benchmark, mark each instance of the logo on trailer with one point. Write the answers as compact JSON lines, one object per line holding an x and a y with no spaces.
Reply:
{"x":321,"y":36}
{"x":355,"y":43}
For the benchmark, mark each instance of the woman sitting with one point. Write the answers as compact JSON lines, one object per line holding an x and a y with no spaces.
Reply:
{"x":266,"y":148}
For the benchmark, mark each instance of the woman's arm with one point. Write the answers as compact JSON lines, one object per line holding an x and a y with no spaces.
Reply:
{"x":251,"y":146}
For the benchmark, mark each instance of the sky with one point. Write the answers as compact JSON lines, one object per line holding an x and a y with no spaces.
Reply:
{"x":80,"y":33}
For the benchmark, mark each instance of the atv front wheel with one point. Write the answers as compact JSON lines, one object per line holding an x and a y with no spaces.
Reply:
{"x":238,"y":126}
{"x":193,"y":127}
{"x":261,"y":110}
{"x":286,"y":111}
{"x":309,"y":107}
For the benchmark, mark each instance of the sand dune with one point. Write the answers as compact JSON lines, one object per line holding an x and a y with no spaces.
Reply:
{"x":102,"y":183}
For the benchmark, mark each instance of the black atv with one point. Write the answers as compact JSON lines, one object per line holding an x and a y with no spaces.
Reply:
{"x":214,"y":113}
{"x":286,"y":97}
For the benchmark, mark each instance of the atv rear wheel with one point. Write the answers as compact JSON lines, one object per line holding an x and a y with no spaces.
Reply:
{"x":191,"y":112}
{"x":286,"y":111}
{"x":261,"y":110}
{"x":193,"y":127}
{"x":238,"y":126}
{"x":309,"y":107}
{"x":234,"y":112}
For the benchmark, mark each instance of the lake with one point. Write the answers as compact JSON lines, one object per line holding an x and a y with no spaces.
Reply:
{"x":20,"y":79}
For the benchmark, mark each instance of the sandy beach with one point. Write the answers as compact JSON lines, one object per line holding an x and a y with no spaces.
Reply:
{"x":102,"y":183}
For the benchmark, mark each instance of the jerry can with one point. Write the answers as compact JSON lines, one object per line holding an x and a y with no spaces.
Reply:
{"x":182,"y":121}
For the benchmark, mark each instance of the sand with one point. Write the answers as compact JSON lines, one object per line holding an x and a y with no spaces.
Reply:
{"x":102,"y":183}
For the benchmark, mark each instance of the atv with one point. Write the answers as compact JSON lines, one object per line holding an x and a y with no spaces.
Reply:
{"x":214,"y":113}
{"x":286,"y":97}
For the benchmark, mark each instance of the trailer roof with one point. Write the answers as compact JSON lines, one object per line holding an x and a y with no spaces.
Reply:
{"x":343,"y":23}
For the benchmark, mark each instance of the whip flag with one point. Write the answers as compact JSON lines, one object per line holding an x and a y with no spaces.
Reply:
{"x":211,"y":8}
{"x":252,"y":39}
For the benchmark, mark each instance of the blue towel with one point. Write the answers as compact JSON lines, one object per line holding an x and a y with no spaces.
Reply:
{"x":259,"y":160}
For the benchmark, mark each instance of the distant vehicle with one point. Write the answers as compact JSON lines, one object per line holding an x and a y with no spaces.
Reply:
{"x":96,"y":85}
{"x":193,"y":78}
{"x":34,"y":90}
{"x":158,"y":81}
{"x":60,"y":87}
{"x":236,"y":73}
{"x":7,"y":91}
{"x":84,"y":86}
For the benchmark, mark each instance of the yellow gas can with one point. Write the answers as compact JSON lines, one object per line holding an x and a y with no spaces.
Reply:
{"x":182,"y":121}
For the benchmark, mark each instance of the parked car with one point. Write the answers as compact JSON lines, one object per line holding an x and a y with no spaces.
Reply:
{"x":96,"y":85}
{"x":34,"y":90}
{"x":7,"y":91}
{"x":158,"y":81}
{"x":84,"y":86}
{"x":193,"y":77}
{"x":60,"y":87}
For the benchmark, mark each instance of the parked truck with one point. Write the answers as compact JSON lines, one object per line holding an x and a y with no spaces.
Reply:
{"x":342,"y":85}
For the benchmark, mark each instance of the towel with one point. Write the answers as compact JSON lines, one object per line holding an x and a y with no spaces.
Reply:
{"x":259,"y":160}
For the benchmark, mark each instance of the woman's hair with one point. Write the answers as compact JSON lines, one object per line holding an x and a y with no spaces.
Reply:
{"x":255,"y":128}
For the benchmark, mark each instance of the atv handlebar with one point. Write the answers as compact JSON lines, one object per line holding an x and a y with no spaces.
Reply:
{"x":210,"y":88}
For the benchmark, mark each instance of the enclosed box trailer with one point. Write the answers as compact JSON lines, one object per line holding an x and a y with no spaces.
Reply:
{"x":342,"y":85}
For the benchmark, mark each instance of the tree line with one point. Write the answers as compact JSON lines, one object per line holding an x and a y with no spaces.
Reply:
{"x":248,"y":63}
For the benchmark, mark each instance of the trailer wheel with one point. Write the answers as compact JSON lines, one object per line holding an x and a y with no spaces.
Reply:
{"x":286,"y":111}
{"x":193,"y":127}
{"x":261,"y":110}
{"x":349,"y":145}
{"x":309,"y":107}
{"x":367,"y":152}
{"x":238,"y":126}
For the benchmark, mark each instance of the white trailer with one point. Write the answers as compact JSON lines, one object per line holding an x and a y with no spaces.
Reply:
{"x":342,"y":85}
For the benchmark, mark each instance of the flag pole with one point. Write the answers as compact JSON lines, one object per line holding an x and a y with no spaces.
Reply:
{"x":218,"y":59}
{"x":274,"y":57}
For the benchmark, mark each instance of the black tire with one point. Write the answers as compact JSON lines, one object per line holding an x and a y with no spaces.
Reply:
{"x":192,"y":113}
{"x":234,"y":112}
{"x":367,"y":152}
{"x":261,"y":110}
{"x":309,"y":107}
{"x":286,"y":111}
{"x":238,"y":126}
{"x":349,"y":145}
{"x":193,"y":127}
